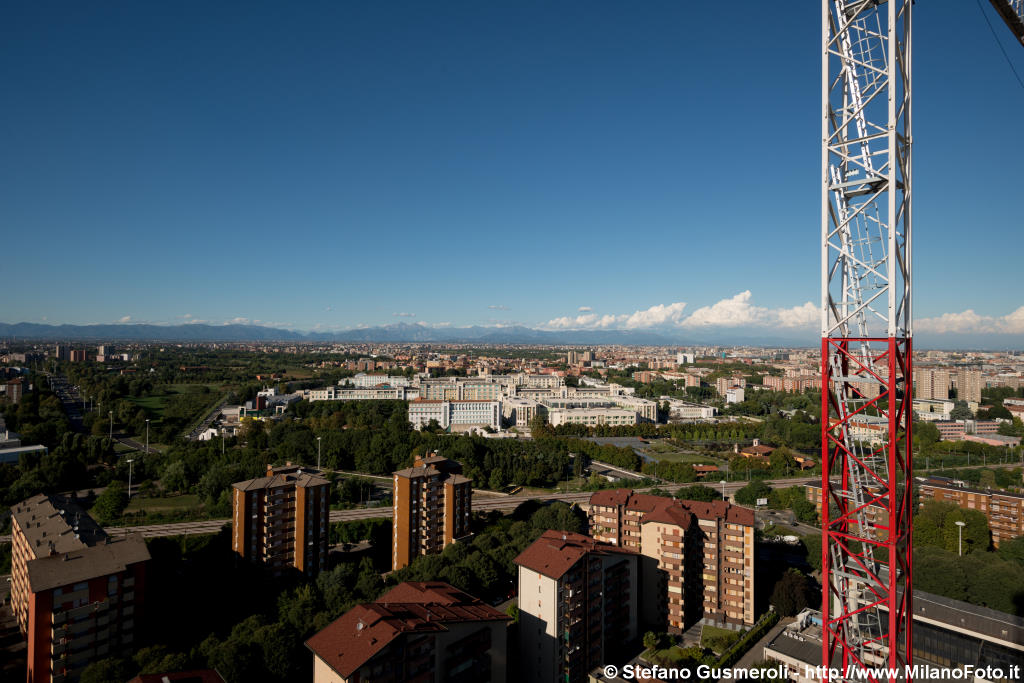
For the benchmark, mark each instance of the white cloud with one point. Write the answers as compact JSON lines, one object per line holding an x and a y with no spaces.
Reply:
{"x":807,"y":315}
{"x":125,"y":319}
{"x":657,"y":315}
{"x":238,"y":321}
{"x":970,"y":322}
{"x":736,"y":311}
{"x":404,"y":315}
{"x":498,"y":307}
{"x":732,"y":312}
{"x":661,"y":314}
{"x":187,"y":316}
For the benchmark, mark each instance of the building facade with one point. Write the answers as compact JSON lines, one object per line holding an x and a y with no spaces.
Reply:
{"x":432,"y":506}
{"x":699,"y":557}
{"x":578,"y":606}
{"x":77,"y":593}
{"x":455,"y":414}
{"x":281,"y":520}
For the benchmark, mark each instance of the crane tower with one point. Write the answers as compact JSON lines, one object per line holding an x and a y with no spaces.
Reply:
{"x":866,"y":334}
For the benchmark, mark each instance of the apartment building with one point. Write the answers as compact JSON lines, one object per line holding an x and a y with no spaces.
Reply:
{"x":968,"y":385}
{"x":578,"y":605}
{"x":877,"y":516}
{"x":281,"y":520}
{"x":1004,"y":510}
{"x":76,"y":593}
{"x":417,"y":631}
{"x":432,"y":506}
{"x":723,"y":384}
{"x":793,"y":384}
{"x":932,"y":384}
{"x":698,"y":561}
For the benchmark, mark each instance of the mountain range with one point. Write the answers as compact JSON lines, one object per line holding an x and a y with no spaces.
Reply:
{"x":400,"y":332}
{"x":476,"y":334}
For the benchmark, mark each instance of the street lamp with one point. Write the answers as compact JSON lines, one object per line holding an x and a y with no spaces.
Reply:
{"x":147,"y":436}
{"x":111,"y":413}
{"x":318,"y":450}
{"x":723,"y":488}
{"x":960,"y":534}
{"x":130,"y":461}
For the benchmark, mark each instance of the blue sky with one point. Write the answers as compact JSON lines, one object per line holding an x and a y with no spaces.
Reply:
{"x":331,"y":165}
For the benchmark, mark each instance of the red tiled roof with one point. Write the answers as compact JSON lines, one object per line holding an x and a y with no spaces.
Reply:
{"x":657,"y":508}
{"x":356,"y":636}
{"x":611,"y":497}
{"x":555,"y":552}
{"x":757,"y":450}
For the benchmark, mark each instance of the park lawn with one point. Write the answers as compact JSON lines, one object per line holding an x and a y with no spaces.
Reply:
{"x":153,"y":405}
{"x":183,"y":502}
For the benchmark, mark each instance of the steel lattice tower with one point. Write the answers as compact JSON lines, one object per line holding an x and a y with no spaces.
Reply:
{"x":866,"y":334}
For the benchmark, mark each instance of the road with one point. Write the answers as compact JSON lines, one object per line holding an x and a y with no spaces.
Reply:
{"x":137,"y":445}
{"x":207,"y":421}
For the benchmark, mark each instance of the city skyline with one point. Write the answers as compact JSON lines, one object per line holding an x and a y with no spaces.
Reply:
{"x":577,"y":170}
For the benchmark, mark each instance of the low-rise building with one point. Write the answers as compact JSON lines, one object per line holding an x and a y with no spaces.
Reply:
{"x":947,"y":634}
{"x":417,"y":631}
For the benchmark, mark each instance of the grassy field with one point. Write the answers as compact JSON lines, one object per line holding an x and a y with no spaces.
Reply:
{"x":718,"y":639}
{"x":162,"y":505}
{"x":155,"y":405}
{"x":666,"y":452}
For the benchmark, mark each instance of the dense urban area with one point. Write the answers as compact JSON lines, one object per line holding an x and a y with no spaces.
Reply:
{"x":278,"y":512}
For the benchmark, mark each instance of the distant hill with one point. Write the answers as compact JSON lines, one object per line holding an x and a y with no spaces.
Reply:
{"x":479,"y":335}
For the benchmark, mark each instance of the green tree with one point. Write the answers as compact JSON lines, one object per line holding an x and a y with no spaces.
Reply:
{"x":791,"y":593}
{"x":1013,"y":550}
{"x":812,"y":542}
{"x":961,"y":411}
{"x":539,"y":427}
{"x":110,"y":504}
{"x":107,"y":670}
{"x":700,"y":493}
{"x":749,"y":494}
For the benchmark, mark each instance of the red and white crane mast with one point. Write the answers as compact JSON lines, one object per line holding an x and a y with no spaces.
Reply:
{"x":866,"y":334}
